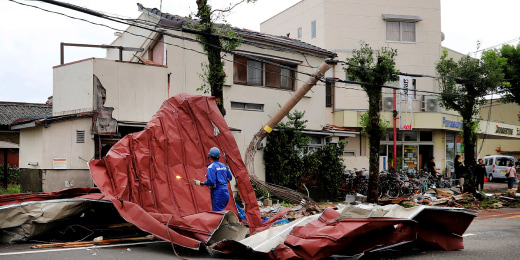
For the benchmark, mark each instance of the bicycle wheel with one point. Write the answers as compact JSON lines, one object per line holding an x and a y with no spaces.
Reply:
{"x":395,"y":189}
{"x":363,"y":187}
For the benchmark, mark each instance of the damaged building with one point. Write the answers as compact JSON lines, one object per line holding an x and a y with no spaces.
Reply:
{"x":97,"y":101}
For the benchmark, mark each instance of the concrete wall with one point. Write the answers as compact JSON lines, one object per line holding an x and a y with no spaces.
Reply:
{"x":135,"y":91}
{"x":45,"y":145}
{"x":53,"y":180}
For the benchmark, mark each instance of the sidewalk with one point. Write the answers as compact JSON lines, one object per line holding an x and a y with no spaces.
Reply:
{"x":496,"y":187}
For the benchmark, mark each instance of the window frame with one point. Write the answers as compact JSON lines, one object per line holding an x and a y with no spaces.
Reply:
{"x":273,"y":74}
{"x":400,"y":25}
{"x":313,"y":29}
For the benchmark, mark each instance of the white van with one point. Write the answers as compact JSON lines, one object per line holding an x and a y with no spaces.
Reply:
{"x":496,"y":166}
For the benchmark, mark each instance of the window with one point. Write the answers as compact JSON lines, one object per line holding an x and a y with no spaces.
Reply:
{"x":157,"y":50}
{"x":426,"y":136}
{"x":313,"y":29}
{"x":410,"y":136}
{"x":400,"y":31}
{"x":299,"y":33}
{"x":349,"y":153}
{"x":256,"y":73}
{"x":401,"y":28}
{"x":329,"y":93}
{"x":247,"y":106}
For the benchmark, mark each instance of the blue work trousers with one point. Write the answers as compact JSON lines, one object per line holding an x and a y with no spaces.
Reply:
{"x":219,"y":198}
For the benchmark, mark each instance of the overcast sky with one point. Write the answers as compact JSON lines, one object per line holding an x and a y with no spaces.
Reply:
{"x":30,"y":38}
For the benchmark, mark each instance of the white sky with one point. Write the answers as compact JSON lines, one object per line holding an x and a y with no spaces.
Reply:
{"x":30,"y":38}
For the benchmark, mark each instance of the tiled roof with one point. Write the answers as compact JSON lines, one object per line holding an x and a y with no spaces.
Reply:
{"x":247,"y":35}
{"x":11,"y":111}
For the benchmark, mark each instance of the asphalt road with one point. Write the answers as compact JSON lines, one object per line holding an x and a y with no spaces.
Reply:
{"x":494,"y":234}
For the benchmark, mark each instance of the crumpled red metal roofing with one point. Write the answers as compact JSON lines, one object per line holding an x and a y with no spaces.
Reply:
{"x":139,"y":173}
{"x":440,"y":227}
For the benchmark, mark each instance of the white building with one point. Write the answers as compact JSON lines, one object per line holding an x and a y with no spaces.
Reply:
{"x":97,"y":101}
{"x":413,"y":28}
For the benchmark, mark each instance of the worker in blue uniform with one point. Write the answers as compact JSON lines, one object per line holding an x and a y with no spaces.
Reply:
{"x":218,"y":176}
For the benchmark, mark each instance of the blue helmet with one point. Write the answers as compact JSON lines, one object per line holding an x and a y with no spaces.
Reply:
{"x":214,"y":152}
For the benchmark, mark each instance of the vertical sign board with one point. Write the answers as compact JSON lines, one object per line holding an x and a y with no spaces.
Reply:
{"x":406,"y":115}
{"x":59,"y":163}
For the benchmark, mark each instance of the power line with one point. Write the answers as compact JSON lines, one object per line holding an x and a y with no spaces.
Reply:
{"x":135,"y":22}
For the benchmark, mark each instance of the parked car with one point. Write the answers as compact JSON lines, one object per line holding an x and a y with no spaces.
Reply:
{"x":496,"y":166}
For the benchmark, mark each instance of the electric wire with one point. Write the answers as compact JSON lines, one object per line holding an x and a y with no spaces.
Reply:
{"x":132,"y":22}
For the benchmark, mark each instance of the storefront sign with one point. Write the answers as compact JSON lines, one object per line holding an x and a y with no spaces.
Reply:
{"x":405,"y":106}
{"x":449,"y":123}
{"x":405,"y":83}
{"x":59,"y":163}
{"x":503,"y":130}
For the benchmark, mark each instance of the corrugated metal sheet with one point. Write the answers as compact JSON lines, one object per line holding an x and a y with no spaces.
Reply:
{"x":139,"y":173}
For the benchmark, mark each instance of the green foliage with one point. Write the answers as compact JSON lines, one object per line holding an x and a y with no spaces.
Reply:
{"x":511,"y":72}
{"x":216,"y":41}
{"x":464,"y":85}
{"x":288,"y":163}
{"x":285,"y":204}
{"x":11,"y":189}
{"x":282,"y":156}
{"x":259,"y":192}
{"x":13,"y":174}
{"x":365,"y":120}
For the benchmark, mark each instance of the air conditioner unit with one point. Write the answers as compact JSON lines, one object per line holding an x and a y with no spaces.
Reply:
{"x":387,"y":103}
{"x":430,"y":104}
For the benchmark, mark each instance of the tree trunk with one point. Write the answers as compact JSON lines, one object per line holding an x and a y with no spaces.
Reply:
{"x":469,"y":148}
{"x":374,"y":134}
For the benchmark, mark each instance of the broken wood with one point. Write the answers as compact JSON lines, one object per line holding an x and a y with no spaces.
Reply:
{"x":92,"y":243}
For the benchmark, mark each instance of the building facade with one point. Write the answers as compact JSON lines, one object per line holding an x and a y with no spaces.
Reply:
{"x":98,"y":101}
{"x":413,"y":28}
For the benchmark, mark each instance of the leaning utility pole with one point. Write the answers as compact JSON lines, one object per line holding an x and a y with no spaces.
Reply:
{"x":282,"y":192}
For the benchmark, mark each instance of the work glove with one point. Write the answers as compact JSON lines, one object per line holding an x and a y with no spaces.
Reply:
{"x":197,"y":182}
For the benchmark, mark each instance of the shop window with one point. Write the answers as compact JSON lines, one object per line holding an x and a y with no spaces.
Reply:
{"x":426,"y":136}
{"x":410,"y":136}
{"x":398,"y":135}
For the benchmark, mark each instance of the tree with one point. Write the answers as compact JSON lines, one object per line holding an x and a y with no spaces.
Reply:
{"x":374,"y":74}
{"x":213,"y":40}
{"x":511,"y":73}
{"x":289,"y":164}
{"x":283,"y":161}
{"x":464,"y":85}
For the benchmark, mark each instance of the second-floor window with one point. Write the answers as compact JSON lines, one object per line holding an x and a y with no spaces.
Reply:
{"x":400,"y":31}
{"x":256,"y":73}
{"x":401,"y":28}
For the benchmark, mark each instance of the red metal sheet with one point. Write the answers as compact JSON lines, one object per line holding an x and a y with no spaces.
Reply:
{"x":139,"y":173}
